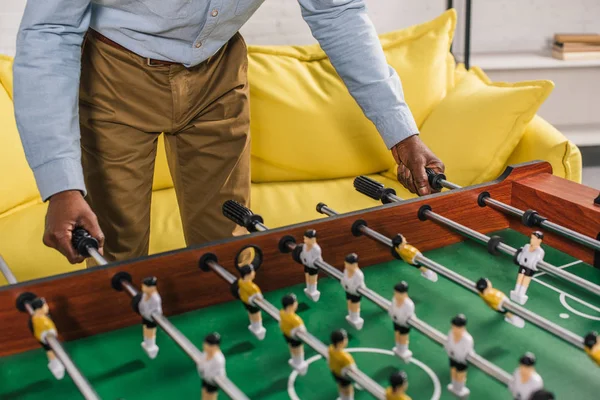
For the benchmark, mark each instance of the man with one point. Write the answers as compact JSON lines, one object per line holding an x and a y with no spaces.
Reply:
{"x":248,"y":291}
{"x":311,"y":252}
{"x":149,"y":303}
{"x":409,"y":253}
{"x":290,"y":323}
{"x":340,"y":362}
{"x":89,"y":117}
{"x":352,"y":280}
{"x":41,"y":325}
{"x":459,"y":346}
{"x":527,"y":258}
{"x":402,"y":308}
{"x":398,"y":386}
{"x":212,"y":365}
{"x":495,"y":299}
{"x":526,"y":380}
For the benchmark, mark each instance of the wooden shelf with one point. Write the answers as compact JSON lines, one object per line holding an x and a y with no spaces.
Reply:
{"x":520,"y":61}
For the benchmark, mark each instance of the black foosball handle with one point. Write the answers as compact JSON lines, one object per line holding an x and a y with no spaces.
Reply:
{"x":373,"y":189}
{"x":435,"y":179}
{"x":597,"y":200}
{"x":241,"y":215}
{"x":81,"y":240}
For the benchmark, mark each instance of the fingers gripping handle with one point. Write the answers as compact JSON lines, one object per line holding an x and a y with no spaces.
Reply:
{"x":81,"y":240}
{"x":373,"y":189}
{"x":241,"y":215}
{"x":435,"y":179}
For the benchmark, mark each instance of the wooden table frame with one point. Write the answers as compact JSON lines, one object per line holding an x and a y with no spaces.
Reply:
{"x":83,"y":303}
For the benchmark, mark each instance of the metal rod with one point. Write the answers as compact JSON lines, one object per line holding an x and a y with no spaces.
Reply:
{"x":170,"y":329}
{"x":229,"y":388}
{"x":356,"y":375}
{"x":518,"y":213}
{"x":79,"y":380}
{"x":468,"y":34}
{"x":511,"y":251}
{"x":7,"y":272}
{"x":96,"y":255}
{"x":260,"y":227}
{"x":435,"y":335}
{"x":522,"y":312}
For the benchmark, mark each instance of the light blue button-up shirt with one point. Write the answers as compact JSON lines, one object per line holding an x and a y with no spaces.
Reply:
{"x":47,"y":64}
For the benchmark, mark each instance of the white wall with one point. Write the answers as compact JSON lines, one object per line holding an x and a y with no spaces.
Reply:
{"x":498,"y":25}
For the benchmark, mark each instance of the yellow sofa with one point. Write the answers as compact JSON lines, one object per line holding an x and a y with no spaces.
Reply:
{"x":309,"y":140}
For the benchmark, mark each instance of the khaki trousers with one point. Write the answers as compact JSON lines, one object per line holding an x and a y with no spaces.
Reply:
{"x":204,"y":112}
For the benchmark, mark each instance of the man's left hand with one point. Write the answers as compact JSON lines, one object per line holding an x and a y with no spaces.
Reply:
{"x":412,"y":157}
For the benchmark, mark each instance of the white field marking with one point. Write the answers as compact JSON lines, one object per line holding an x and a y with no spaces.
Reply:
{"x":564,"y":315}
{"x":561,"y":267}
{"x":437,"y":386}
{"x":566,"y":305}
{"x":563,"y":296}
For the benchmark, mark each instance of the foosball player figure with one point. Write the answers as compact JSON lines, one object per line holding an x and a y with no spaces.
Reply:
{"x":542,"y":395}
{"x":311,"y":252}
{"x":248,"y":291}
{"x":495,"y":299}
{"x":401,"y":309}
{"x":212,"y":365}
{"x":591,"y":345}
{"x":41,"y":325}
{"x":340,"y":361}
{"x":353,"y":280}
{"x":290,"y":323}
{"x":526,"y":380}
{"x":408,"y":253}
{"x":459,"y":346}
{"x":398,"y":386}
{"x":149,"y":303}
{"x":527,"y":258}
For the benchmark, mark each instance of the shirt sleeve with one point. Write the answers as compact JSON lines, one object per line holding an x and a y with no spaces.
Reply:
{"x":347,"y":35}
{"x":46,"y":83}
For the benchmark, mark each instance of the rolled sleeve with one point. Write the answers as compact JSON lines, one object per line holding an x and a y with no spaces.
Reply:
{"x":348,"y":37}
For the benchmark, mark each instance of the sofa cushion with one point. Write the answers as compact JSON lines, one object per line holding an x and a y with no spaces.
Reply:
{"x":305,"y":124}
{"x":6,"y":76}
{"x":542,"y":141}
{"x":478,"y":125}
{"x":17,"y":185}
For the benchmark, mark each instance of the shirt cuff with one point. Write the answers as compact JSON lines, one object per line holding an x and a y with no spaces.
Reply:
{"x":396,"y":126}
{"x":58,"y":176}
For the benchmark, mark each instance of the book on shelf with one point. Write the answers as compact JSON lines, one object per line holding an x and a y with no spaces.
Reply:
{"x":576,"y":55}
{"x":575,"y":47}
{"x":590,"y":38}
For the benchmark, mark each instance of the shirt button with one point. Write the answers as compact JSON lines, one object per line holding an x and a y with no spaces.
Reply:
{"x":214,"y":12}
{"x":198,"y":45}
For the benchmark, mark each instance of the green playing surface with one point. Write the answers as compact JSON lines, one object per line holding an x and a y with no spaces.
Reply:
{"x":118,"y":368}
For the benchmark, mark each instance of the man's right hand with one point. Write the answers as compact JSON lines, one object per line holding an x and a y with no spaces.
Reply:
{"x":67,"y":211}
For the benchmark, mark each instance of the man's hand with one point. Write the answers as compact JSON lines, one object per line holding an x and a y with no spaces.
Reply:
{"x":67,"y":211}
{"x":412,"y":157}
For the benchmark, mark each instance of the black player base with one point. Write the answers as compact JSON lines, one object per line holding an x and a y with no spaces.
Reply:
{"x":23,"y":299}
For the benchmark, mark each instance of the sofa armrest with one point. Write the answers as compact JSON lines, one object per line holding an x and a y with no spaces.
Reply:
{"x":542,"y":141}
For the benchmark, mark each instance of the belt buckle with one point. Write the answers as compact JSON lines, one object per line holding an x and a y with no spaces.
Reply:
{"x":149,"y":62}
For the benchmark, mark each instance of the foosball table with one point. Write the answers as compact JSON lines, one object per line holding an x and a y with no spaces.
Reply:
{"x":464,"y":293}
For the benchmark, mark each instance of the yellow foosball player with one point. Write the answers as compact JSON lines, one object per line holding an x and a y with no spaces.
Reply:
{"x":248,"y":291}
{"x":591,"y":345}
{"x":398,"y":386}
{"x":408,"y":254}
{"x":290,"y":324}
{"x":41,"y":325}
{"x":340,"y":361}
{"x":494,"y":298}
